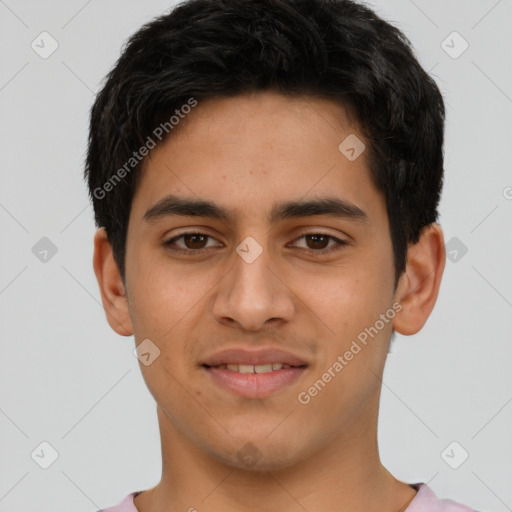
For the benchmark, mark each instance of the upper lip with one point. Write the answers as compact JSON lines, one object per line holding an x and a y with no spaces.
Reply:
{"x":253,"y":357}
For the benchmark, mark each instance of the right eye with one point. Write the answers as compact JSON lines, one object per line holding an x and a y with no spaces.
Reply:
{"x":194,"y":243}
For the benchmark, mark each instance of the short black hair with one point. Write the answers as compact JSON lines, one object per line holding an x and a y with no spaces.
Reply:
{"x":336,"y":49}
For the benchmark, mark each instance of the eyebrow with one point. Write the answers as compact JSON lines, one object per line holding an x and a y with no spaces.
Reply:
{"x":173,"y":205}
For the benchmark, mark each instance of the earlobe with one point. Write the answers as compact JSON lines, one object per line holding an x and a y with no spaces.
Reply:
{"x":113,"y":294}
{"x":419,"y":285}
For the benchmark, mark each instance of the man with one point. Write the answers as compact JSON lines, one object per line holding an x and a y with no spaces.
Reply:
{"x":265,"y":176}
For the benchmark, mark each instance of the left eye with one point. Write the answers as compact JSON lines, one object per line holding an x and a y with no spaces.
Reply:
{"x":318,"y":242}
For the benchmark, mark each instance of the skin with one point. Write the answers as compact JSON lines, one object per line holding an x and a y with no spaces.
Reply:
{"x":246,"y":153}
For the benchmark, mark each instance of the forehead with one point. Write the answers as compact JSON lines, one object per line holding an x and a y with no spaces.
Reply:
{"x":245,"y":154}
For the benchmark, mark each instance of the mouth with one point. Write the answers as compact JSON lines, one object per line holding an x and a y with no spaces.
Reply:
{"x":254,"y":374}
{"x":251,"y":368}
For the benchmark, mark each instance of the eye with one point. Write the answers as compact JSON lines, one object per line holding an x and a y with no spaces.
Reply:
{"x":319,"y":243}
{"x":195,"y":243}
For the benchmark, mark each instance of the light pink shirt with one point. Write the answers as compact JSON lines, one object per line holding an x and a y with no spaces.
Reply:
{"x":424,"y":501}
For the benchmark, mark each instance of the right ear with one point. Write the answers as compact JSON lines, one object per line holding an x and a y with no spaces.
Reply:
{"x":113,"y":294}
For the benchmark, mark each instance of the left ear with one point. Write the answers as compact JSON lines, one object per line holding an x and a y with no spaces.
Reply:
{"x":418,"y":286}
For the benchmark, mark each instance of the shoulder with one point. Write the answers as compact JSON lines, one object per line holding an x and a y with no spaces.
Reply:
{"x":426,"y":501}
{"x":126,"y":505}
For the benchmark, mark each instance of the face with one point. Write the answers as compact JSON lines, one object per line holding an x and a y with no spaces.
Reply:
{"x":271,"y":306}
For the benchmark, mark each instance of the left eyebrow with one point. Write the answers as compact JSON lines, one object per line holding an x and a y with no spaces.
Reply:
{"x":323,"y":206}
{"x":173,"y":205}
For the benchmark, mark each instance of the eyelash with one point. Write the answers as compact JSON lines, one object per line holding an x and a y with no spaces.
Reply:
{"x":191,"y":252}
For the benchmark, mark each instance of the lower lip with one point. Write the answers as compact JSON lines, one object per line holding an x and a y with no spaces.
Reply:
{"x":255,"y":385}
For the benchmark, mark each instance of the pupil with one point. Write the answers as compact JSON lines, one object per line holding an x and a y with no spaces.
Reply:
{"x":188,"y":239}
{"x":316,"y":238}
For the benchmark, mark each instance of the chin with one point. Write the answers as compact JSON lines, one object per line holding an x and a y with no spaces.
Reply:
{"x":259,"y":456}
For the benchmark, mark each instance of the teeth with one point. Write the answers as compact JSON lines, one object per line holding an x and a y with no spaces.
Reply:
{"x":246,"y":368}
{"x":249,"y":368}
{"x":263,"y":368}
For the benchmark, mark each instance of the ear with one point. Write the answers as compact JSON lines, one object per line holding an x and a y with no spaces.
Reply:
{"x":113,"y":294}
{"x":418,"y":286}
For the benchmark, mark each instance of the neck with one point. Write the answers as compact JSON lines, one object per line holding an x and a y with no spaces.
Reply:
{"x":345,"y":475}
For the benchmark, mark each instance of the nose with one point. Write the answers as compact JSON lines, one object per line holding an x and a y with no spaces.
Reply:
{"x":253,"y":294}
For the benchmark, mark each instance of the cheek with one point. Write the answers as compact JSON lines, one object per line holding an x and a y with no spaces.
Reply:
{"x":168,"y":307}
{"x":346,"y":303}
{"x":164,"y":293}
{"x":344,"y":300}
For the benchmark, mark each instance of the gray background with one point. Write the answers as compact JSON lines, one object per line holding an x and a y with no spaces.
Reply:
{"x":66,"y":378}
